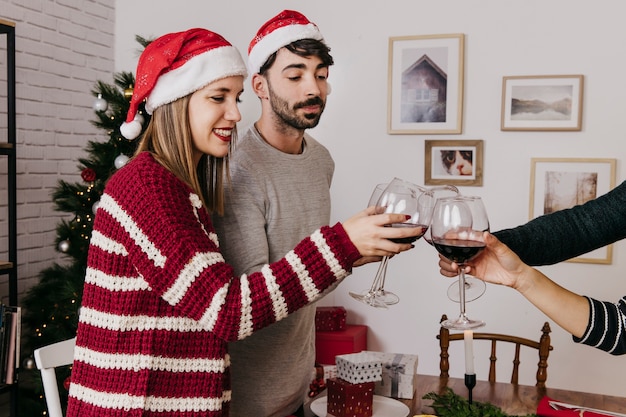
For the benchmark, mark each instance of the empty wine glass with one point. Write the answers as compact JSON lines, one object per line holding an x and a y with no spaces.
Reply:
{"x":398,"y":196}
{"x":457,"y":228}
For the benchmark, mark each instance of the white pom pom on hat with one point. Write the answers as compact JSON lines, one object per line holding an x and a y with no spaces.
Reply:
{"x":286,"y":27}
{"x":175,"y":65}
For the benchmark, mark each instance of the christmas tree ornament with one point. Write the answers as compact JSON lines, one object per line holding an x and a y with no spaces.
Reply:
{"x":120,"y":161}
{"x":100,"y":104}
{"x":64,"y":246}
{"x":128,"y":92}
{"x":88,"y":175}
{"x":176,"y":65}
{"x":29,"y":363}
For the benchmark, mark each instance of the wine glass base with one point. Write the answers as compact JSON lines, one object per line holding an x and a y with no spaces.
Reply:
{"x":474,"y":289}
{"x":387,"y":297}
{"x":369,"y":298}
{"x":462,"y":323}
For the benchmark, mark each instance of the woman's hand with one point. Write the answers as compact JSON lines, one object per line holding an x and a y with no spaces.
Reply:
{"x":368,"y":232}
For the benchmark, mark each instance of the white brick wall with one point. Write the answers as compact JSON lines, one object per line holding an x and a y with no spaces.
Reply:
{"x":62,"y":48}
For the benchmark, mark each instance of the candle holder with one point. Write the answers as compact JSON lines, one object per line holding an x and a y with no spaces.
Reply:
{"x":470,"y":383}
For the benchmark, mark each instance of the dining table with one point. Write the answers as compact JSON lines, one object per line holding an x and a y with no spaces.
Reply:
{"x":513,"y":399}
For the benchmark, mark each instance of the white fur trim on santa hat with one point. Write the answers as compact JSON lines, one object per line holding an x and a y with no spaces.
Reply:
{"x":278,"y":38}
{"x":195,"y":74}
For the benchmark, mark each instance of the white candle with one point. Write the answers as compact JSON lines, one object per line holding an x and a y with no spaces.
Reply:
{"x":468,"y":337}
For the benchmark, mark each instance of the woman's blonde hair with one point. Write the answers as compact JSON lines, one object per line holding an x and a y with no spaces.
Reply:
{"x":168,"y":138}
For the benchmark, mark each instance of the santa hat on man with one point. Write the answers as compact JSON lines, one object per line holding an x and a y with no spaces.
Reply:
{"x":286,"y":27}
{"x":178,"y":64}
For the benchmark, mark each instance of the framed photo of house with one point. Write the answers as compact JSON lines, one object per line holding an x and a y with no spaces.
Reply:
{"x":542,"y":102}
{"x":561,"y":183}
{"x":454,"y":162}
{"x":425,"y":84}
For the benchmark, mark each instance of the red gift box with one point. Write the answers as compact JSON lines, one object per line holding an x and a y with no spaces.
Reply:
{"x":349,"y":400}
{"x":329,"y":319}
{"x":352,"y":339}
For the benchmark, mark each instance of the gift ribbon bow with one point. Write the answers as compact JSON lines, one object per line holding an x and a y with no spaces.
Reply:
{"x":395,"y":369}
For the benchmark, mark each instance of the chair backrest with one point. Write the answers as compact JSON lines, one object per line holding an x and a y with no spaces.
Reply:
{"x":47,"y":359}
{"x":543,"y":347}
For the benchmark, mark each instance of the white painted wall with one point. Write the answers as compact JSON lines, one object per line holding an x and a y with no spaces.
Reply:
{"x":531,"y":37}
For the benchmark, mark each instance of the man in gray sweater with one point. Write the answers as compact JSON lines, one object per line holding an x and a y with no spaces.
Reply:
{"x":280,"y":193}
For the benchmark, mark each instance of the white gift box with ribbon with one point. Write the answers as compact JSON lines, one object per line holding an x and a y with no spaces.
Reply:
{"x":398,"y":372}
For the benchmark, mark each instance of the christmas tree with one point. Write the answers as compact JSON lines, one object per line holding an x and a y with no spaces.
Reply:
{"x":50,"y":308}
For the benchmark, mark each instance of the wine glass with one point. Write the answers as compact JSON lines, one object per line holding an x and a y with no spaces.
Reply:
{"x":378,"y":285}
{"x":398,"y":196}
{"x":457,"y":228}
{"x":474,"y":287}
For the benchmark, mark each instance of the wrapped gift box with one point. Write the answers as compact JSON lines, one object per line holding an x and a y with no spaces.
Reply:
{"x":330,"y":344}
{"x":330,"y":319}
{"x":349,"y":400}
{"x":398,"y":371}
{"x":330,"y":371}
{"x":359,"y":367}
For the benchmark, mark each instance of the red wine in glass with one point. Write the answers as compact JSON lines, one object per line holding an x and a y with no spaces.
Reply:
{"x":457,"y":250}
{"x":409,"y":239}
{"x":457,"y":229}
{"x":401,"y":197}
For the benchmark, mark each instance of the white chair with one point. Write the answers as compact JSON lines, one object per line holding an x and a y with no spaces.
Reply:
{"x":47,"y":358}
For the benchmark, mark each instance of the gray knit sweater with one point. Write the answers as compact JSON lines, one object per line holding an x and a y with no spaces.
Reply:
{"x":276,"y":199}
{"x":569,"y":233}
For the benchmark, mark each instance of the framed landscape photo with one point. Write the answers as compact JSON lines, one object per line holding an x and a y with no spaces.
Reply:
{"x":454,"y":162}
{"x":561,"y":183}
{"x":542,"y":102}
{"x":425,"y":84}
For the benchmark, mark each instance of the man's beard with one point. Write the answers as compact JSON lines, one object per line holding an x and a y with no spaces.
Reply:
{"x":288,"y":115}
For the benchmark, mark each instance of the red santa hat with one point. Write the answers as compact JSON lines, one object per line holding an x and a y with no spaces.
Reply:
{"x":178,"y":64}
{"x":286,"y":27}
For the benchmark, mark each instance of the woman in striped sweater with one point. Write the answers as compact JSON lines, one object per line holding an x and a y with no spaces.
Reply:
{"x":159,"y":302}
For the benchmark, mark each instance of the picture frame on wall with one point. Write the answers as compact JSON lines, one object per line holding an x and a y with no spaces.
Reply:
{"x":561,"y":183}
{"x":542,"y":102}
{"x":425,"y":84}
{"x":454,"y":162}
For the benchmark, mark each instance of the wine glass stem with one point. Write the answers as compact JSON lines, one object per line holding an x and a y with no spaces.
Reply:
{"x":380,"y":273}
{"x":383,"y":273}
{"x":462,"y":290}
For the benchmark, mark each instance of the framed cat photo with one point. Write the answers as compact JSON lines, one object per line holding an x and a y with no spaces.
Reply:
{"x":561,"y":183}
{"x":425,"y":84}
{"x":542,"y":103}
{"x":454,"y":162}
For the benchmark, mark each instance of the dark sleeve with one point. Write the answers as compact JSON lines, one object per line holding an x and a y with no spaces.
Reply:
{"x":605,"y":330}
{"x":568,"y":233}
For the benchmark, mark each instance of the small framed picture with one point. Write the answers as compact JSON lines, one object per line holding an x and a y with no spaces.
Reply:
{"x":425,"y":84}
{"x":542,"y":102}
{"x":454,"y":162}
{"x":561,"y":183}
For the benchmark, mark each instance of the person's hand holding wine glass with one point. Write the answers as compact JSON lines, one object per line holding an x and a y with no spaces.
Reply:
{"x":457,"y":230}
{"x":399,"y":197}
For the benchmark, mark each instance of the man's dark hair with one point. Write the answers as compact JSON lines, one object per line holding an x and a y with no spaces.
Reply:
{"x":304,"y":48}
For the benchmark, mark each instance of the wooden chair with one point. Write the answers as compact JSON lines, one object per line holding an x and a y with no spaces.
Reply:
{"x":47,"y":358}
{"x":543,"y":346}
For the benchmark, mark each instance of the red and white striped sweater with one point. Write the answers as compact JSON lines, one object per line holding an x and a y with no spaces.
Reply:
{"x":160,"y":304}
